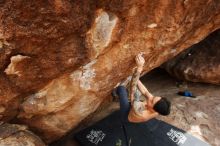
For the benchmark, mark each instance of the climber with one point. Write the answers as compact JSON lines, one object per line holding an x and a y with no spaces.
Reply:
{"x":140,"y":110}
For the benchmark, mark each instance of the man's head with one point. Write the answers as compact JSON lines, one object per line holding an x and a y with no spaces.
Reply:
{"x":161,"y":105}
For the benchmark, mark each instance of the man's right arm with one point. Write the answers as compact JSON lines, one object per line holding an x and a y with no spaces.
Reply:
{"x":144,"y":90}
{"x":140,"y":63}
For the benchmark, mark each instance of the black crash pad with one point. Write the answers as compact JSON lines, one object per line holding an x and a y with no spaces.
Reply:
{"x":111,"y":132}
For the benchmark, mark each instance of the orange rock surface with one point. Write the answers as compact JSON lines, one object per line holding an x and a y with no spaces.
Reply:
{"x":60,"y":59}
{"x":18,"y":135}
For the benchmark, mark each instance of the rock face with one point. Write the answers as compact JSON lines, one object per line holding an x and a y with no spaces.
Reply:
{"x":17,"y":135}
{"x":199,"y":63}
{"x":60,"y":59}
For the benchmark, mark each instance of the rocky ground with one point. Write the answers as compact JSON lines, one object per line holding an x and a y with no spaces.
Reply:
{"x":199,"y":116}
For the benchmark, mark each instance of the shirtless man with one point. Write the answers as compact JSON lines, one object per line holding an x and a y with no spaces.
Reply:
{"x":140,"y":111}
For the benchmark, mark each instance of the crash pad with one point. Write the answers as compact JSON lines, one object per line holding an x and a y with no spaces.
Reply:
{"x":112,"y":132}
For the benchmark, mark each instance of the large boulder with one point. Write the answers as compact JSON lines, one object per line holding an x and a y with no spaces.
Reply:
{"x":60,"y":59}
{"x":199,"y":63}
{"x":18,"y":135}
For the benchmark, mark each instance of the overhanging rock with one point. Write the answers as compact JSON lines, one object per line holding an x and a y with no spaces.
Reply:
{"x":74,"y":59}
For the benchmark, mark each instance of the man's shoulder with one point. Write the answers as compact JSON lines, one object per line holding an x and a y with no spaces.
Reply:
{"x":144,"y":116}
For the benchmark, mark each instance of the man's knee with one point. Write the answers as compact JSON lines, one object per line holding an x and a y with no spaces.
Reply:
{"x":121,"y":90}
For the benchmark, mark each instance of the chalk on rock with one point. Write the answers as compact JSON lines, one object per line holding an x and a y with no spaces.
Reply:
{"x":100,"y":34}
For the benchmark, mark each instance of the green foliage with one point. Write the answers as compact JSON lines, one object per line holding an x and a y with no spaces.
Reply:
{"x":119,"y":142}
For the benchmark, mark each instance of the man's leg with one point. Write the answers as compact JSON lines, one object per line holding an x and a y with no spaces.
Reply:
{"x":124,"y":104}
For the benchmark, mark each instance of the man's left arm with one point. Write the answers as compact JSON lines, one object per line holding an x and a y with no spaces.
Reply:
{"x":145,"y":91}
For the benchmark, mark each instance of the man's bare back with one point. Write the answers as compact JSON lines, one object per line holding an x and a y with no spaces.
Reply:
{"x":145,"y":116}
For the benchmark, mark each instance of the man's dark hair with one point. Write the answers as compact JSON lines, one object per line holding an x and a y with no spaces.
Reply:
{"x":162,"y":107}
